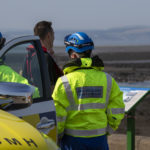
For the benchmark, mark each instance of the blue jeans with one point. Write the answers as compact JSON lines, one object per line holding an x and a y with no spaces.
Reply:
{"x":78,"y":143}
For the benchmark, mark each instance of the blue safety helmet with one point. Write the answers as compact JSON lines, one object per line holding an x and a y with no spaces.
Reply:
{"x":1,"y":35}
{"x":79,"y":42}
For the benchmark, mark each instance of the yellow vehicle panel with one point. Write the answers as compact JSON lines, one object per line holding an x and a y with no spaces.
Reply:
{"x":16,"y":134}
{"x":34,"y":119}
{"x":43,"y":118}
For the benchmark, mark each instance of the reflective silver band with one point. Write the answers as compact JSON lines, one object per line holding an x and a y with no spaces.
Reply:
{"x":68,"y":92}
{"x":117,"y":110}
{"x":88,"y":106}
{"x":74,"y":132}
{"x":94,"y":132}
{"x":91,"y":106}
{"x":61,"y":119}
{"x":109,"y":84}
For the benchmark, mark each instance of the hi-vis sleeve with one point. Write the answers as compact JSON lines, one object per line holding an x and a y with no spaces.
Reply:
{"x":116,"y":106}
{"x":7,"y":74}
{"x":61,"y":103}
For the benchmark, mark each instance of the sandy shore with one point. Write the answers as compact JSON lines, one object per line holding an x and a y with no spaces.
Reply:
{"x":124,"y":63}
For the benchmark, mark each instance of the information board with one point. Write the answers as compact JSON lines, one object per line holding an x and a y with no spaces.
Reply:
{"x":132,"y":95}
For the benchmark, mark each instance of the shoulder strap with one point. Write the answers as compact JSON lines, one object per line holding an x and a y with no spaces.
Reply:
{"x":28,"y":62}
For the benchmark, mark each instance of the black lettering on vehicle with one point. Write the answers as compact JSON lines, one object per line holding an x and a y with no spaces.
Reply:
{"x":30,"y":142}
{"x":0,"y":142}
{"x":12,"y":141}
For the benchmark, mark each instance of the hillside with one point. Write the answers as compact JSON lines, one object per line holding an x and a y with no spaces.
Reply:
{"x":136,"y":35}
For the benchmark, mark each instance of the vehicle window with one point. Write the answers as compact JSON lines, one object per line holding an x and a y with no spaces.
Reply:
{"x":23,"y":60}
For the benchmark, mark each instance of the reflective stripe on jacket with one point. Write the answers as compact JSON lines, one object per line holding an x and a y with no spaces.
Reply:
{"x":88,"y":101}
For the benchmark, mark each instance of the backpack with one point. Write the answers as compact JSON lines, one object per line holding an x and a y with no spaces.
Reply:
{"x":27,"y":70}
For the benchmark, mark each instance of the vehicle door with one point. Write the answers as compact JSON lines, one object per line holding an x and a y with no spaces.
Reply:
{"x":25,"y":56}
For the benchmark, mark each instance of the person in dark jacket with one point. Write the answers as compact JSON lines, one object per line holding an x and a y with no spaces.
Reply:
{"x":88,"y":101}
{"x":44,"y":30}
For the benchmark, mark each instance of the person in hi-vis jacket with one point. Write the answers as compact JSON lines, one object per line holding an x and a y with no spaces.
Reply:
{"x":89,"y":103}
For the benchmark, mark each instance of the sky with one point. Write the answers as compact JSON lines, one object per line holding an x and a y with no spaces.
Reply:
{"x":74,"y":14}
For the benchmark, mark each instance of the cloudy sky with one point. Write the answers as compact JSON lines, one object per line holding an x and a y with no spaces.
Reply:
{"x":74,"y":14}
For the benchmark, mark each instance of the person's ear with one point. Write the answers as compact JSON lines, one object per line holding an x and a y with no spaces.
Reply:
{"x":74,"y":55}
{"x":48,"y":35}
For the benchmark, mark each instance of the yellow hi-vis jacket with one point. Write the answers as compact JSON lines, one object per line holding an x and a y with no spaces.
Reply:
{"x":88,"y":101}
{"x":7,"y":74}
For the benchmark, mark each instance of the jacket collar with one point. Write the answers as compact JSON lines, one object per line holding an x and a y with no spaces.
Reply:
{"x":83,"y":63}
